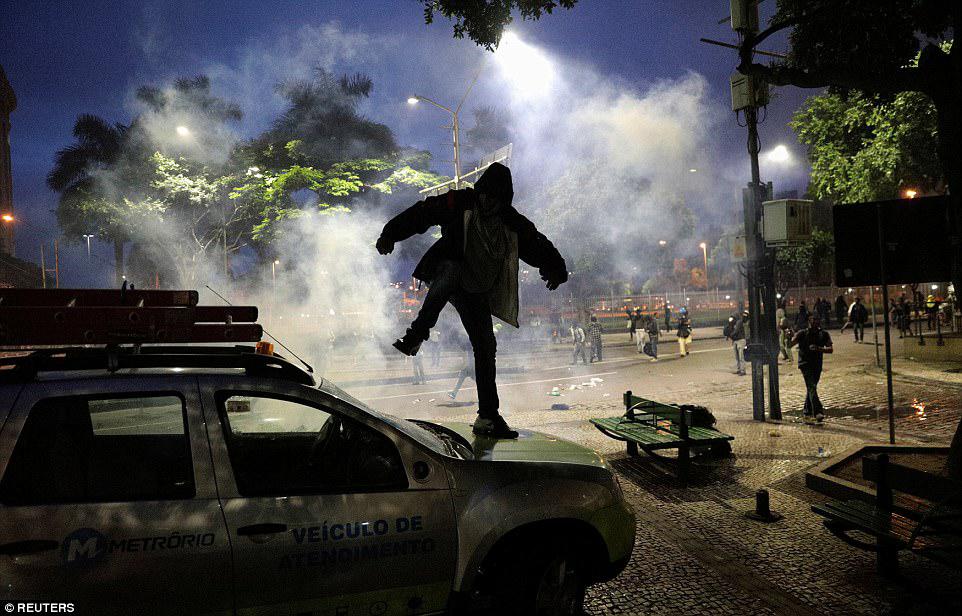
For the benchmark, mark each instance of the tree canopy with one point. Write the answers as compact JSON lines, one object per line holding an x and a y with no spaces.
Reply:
{"x":869,"y":147}
{"x":483,"y":21}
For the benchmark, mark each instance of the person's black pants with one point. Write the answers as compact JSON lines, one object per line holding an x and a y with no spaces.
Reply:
{"x":446,"y":283}
{"x":859,"y":329}
{"x":475,"y":313}
{"x":596,"y":349}
{"x":813,"y":406}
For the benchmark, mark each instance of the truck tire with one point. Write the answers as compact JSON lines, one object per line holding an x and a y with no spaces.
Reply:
{"x":544,"y":580}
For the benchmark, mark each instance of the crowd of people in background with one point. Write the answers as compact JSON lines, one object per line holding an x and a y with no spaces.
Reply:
{"x":645,"y":328}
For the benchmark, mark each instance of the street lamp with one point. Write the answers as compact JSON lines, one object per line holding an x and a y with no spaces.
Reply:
{"x":704,"y":251}
{"x":662,"y":242}
{"x":182,"y":131}
{"x":87,"y":237}
{"x":455,"y":125}
{"x":910,"y":193}
{"x":7,"y":218}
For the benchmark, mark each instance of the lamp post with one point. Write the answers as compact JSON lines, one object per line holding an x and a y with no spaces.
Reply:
{"x":455,"y":124}
{"x":87,"y":237}
{"x":704,"y":252}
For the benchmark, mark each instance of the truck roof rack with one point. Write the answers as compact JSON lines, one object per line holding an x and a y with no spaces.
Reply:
{"x":25,"y":368}
{"x":123,"y":321}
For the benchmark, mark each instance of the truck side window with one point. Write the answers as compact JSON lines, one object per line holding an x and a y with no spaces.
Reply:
{"x":89,"y":450}
{"x":281,"y":447}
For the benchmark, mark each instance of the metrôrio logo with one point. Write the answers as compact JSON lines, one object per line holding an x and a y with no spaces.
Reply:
{"x":83,"y":547}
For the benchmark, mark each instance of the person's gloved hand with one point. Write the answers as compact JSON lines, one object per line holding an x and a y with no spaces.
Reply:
{"x":384,"y":245}
{"x":554,"y":278}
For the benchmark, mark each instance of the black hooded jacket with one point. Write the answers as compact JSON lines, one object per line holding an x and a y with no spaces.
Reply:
{"x":448,"y":210}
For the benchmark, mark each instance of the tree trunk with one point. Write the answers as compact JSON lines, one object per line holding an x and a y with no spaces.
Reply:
{"x":118,"y":263}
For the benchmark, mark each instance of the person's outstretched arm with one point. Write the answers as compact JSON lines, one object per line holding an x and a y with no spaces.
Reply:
{"x":417,"y":219}
{"x":537,"y":250}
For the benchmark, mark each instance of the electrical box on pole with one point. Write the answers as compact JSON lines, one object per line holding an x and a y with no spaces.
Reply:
{"x":786,"y":222}
{"x":744,"y":15}
{"x":748,"y":91}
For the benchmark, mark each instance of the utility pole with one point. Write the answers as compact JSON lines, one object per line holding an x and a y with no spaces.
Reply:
{"x":748,"y":94}
{"x":43,"y":268}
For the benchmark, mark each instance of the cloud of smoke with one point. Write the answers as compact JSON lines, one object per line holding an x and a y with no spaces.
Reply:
{"x":332,"y":291}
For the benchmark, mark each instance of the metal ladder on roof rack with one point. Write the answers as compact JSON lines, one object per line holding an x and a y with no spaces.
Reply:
{"x":57,"y":317}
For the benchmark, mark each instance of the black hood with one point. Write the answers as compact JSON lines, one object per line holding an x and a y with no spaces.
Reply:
{"x":496,"y":182}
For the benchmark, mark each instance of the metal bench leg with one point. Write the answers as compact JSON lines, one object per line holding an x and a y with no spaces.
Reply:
{"x":683,"y":464}
{"x":888,"y":558}
{"x":632,"y":449}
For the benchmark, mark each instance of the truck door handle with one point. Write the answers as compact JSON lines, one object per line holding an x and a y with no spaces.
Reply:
{"x":30,"y":546}
{"x":266,"y":528}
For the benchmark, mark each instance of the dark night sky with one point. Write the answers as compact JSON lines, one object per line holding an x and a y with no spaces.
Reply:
{"x":67,"y":58}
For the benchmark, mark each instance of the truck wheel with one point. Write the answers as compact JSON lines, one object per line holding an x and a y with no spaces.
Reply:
{"x":561,"y":586}
{"x":542,"y":581}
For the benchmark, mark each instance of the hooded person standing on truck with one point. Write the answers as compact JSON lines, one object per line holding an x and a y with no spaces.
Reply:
{"x":474,"y":266}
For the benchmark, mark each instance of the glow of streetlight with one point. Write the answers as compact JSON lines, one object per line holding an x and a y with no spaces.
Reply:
{"x":277,"y":262}
{"x":527,"y":68}
{"x":413,"y":100}
{"x":7,"y":218}
{"x":910,"y":193}
{"x":693,"y":170}
{"x":662,"y":242}
{"x":703,"y":246}
{"x":183,"y":131}
{"x":779,"y":154}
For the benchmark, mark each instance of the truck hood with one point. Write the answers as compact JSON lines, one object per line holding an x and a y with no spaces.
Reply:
{"x":530,"y":446}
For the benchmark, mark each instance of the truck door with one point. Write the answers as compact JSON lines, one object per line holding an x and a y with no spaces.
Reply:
{"x":323,"y":514}
{"x":107,"y":501}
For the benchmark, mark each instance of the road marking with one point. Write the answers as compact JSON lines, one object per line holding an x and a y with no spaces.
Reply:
{"x":634,"y":358}
{"x":500,"y":386}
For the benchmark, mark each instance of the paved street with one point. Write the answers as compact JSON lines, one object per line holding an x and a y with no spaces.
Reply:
{"x":696,"y":553}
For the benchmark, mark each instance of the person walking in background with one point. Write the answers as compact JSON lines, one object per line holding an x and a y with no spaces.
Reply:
{"x":642,"y":338}
{"x":813,"y":343}
{"x":824,"y":311}
{"x":801,"y":319}
{"x":632,"y":324}
{"x":735,"y":331}
{"x":905,"y":317}
{"x":893,"y":309}
{"x":578,"y":339}
{"x":417,"y":362}
{"x":594,"y":336}
{"x":684,"y":332}
{"x":858,"y":315}
{"x":466,"y":371}
{"x":667,"y":317}
{"x":784,"y":332}
{"x":435,"y":347}
{"x":841,"y":310}
{"x":653,"y":335}
{"x":931,"y":311}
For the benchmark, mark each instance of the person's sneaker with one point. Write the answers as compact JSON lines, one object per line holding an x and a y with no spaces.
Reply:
{"x":495,"y":428}
{"x":452,"y":395}
{"x":819,"y":417}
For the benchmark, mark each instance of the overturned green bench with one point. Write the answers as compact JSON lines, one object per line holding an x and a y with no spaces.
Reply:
{"x":652,"y":426}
